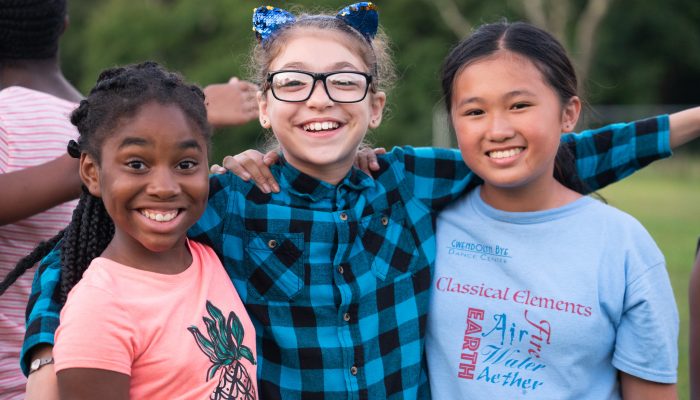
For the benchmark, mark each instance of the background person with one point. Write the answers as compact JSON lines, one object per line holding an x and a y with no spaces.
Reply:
{"x":37,"y":175}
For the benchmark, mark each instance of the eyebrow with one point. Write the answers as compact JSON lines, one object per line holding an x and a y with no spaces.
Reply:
{"x":141,"y":142}
{"x":189,"y":144}
{"x":509,"y":95}
{"x":133,"y":141}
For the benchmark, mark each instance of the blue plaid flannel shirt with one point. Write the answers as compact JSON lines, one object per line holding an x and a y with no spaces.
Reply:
{"x":336,"y":278}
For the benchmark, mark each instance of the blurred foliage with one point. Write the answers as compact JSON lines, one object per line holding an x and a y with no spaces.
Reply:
{"x":647,"y":52}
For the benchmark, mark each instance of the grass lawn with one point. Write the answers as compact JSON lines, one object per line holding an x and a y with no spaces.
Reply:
{"x":665,"y":198}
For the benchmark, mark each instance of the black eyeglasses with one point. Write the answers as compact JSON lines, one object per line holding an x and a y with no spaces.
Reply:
{"x":340,"y":86}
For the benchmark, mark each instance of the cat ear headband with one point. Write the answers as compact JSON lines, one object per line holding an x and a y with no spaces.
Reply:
{"x":362,"y":16}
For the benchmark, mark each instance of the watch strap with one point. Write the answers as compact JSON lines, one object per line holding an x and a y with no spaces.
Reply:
{"x":38,"y":363}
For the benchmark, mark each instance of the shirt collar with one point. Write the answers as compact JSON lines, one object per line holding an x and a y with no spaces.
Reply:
{"x":303,"y":185}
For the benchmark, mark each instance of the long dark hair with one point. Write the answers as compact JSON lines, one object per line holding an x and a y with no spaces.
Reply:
{"x":118,"y":94}
{"x":544,"y":51}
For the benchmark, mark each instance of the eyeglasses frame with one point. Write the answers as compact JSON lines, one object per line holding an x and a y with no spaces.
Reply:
{"x":317,"y":76}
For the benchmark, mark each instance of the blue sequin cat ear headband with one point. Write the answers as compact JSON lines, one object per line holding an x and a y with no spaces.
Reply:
{"x":362,"y":16}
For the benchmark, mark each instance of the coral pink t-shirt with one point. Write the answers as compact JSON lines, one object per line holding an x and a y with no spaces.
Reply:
{"x":152,"y":327}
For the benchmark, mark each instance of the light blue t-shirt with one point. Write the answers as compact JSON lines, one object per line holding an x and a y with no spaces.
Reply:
{"x":547,"y":304}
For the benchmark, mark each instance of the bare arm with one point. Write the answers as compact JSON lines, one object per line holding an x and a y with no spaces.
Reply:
{"x":634,"y":388}
{"x":694,"y":300}
{"x":41,"y":384}
{"x":231,"y":103}
{"x":93,"y":384}
{"x":36,"y":189}
{"x":685,"y":126}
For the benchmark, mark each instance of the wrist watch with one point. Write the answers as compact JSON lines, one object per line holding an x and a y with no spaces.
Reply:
{"x":38,"y":363}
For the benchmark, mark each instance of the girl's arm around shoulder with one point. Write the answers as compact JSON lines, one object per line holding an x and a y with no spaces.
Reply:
{"x":434,"y":175}
{"x":209,"y":229}
{"x":634,"y":388}
{"x":42,"y":308}
{"x":613,"y":152}
{"x":41,"y":384}
{"x":92,"y":384}
{"x":685,"y":126}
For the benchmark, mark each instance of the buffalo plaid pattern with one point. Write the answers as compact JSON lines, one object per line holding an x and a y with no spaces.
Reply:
{"x":336,"y":277}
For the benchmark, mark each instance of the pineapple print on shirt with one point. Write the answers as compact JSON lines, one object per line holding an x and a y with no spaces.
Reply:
{"x":226,"y":351}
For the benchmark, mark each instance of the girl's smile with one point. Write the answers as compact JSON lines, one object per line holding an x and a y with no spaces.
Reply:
{"x":505,"y":154}
{"x":321,"y":126}
{"x":160,"y":216}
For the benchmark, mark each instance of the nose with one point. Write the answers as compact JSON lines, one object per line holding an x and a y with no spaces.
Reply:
{"x":500,"y":128}
{"x":164,"y":184}
{"x":319,"y":98}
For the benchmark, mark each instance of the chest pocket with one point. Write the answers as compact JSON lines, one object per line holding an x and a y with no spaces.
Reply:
{"x":275,"y":264}
{"x":388,"y":238}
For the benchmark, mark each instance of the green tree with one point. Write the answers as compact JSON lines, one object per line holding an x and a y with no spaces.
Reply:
{"x":644,"y":52}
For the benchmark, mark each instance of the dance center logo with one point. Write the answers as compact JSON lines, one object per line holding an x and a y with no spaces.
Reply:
{"x":479,"y":251}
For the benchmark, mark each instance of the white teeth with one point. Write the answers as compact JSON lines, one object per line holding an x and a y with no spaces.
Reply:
{"x":321,"y":126}
{"x":505,"y":153}
{"x":160,"y":217}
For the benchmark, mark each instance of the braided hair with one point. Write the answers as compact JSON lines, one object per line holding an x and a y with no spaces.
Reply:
{"x":30,"y":29}
{"x":119,"y":94}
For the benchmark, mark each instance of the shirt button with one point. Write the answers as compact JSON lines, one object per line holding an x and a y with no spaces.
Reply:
{"x":385,"y":220}
{"x":346,"y":317}
{"x":272,"y":244}
{"x":343,"y":216}
{"x":353,"y":370}
{"x":340,"y":269}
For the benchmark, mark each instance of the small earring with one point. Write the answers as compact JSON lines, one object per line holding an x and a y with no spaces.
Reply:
{"x":263,"y":122}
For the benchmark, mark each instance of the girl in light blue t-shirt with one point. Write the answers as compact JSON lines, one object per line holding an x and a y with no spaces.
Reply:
{"x":555,"y":295}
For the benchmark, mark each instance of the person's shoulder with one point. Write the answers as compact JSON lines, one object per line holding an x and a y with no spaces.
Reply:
{"x":615,"y":215}
{"x":23,"y":97}
{"x":101,"y":275}
{"x":98,"y":284}
{"x":411,"y":158}
{"x":226,"y":182}
{"x":423,"y":152}
{"x":622,"y":225}
{"x":202,"y":253}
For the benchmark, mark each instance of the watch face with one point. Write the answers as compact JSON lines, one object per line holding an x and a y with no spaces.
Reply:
{"x":35,"y":363}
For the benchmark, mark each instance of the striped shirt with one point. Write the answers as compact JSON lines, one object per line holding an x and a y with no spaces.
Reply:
{"x":336,"y":277}
{"x":34,"y":129}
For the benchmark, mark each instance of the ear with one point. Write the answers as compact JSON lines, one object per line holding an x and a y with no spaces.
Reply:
{"x":570,"y":114}
{"x":90,"y":174}
{"x":263,"y":116}
{"x":377,"y":102}
{"x":66,"y":23}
